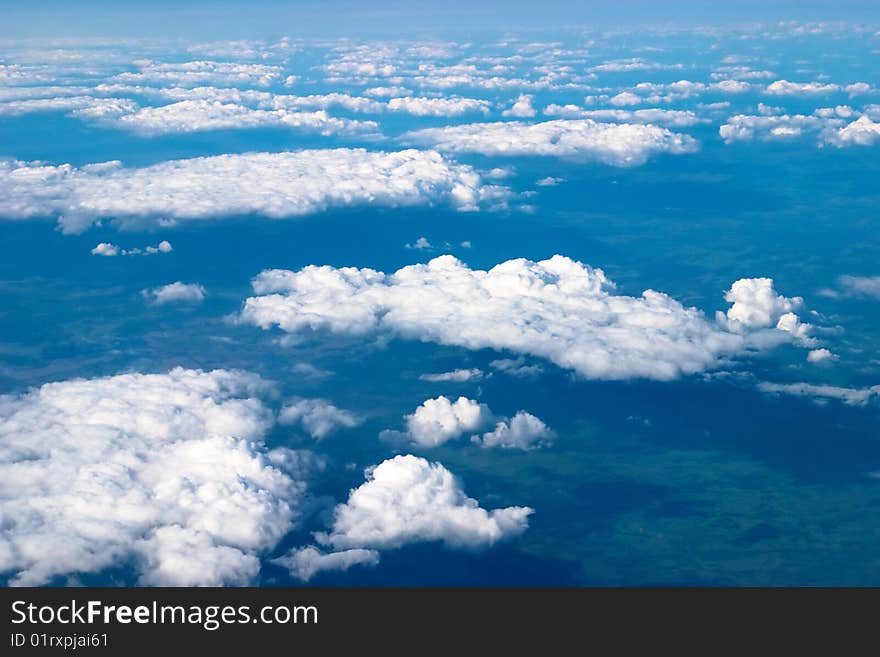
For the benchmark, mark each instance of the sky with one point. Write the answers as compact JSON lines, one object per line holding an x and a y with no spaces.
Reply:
{"x":347,"y":296}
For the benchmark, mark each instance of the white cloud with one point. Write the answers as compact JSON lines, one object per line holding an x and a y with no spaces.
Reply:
{"x":522,"y":431}
{"x":765,"y":126}
{"x":440,"y":420}
{"x":521,"y":108}
{"x":632,"y":64}
{"x":615,"y":144}
{"x":861,"y":132}
{"x":164,"y":472}
{"x":409,"y":499}
{"x":106,"y":249}
{"x":820,"y":356}
{"x":786,"y":88}
{"x":454,"y":106}
{"x":756,"y":304}
{"x":275,"y":185}
{"x":387,"y":92}
{"x":557,"y":309}
{"x":868,"y":286}
{"x":549,"y":181}
{"x":420,"y":244}
{"x":201,"y":115}
{"x":305,"y":563}
{"x":455,"y":376}
{"x":176,"y":292}
{"x":195,"y":73}
{"x":849,"y":396}
{"x":317,"y":416}
{"x":674,"y":118}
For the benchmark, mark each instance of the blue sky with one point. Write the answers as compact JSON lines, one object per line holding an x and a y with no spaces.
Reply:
{"x":319,"y":295}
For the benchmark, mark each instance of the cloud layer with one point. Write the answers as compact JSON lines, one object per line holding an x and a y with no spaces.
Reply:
{"x":275,"y":185}
{"x":618,"y":144}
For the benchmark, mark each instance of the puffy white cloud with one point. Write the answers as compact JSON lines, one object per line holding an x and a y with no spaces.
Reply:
{"x":387,"y":92}
{"x":275,"y":185}
{"x":106,"y":249}
{"x":521,"y":108}
{"x":557,"y":309}
{"x":549,"y":181}
{"x":756,"y":304}
{"x":522,"y":431}
{"x":769,"y":126}
{"x":440,"y":420}
{"x":675,"y":118}
{"x":861,"y":132}
{"x":455,"y":376}
{"x":317,"y":416}
{"x":201,"y":115}
{"x":87,"y":106}
{"x":786,"y":88}
{"x":820,"y":356}
{"x":163,"y":472}
{"x":195,"y":73}
{"x":305,"y":563}
{"x":849,"y":396}
{"x":174,"y":293}
{"x":616,"y":144}
{"x":454,"y":106}
{"x":408,"y":499}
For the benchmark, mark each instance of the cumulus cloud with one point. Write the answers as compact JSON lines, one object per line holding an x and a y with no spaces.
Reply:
{"x":820,"y":356}
{"x":825,"y":122}
{"x":176,"y":292}
{"x":522,"y":431}
{"x":106,"y":249}
{"x":318,"y":417}
{"x":438,"y":106}
{"x":305,"y":563}
{"x":557,"y":309}
{"x":201,"y":115}
{"x":276,"y":185}
{"x":455,"y":376}
{"x":522,"y":108}
{"x":440,"y":420}
{"x":786,"y":88}
{"x":674,"y":118}
{"x":163,"y":472}
{"x":756,"y":304}
{"x":861,"y":132}
{"x":408,"y":499}
{"x":618,"y":144}
{"x":549,"y":181}
{"x":195,"y":73}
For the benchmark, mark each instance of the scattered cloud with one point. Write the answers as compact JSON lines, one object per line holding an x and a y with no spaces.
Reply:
{"x":611,"y":143}
{"x":455,"y":376}
{"x":176,"y":292}
{"x":318,"y":417}
{"x":408,"y":499}
{"x":305,"y":563}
